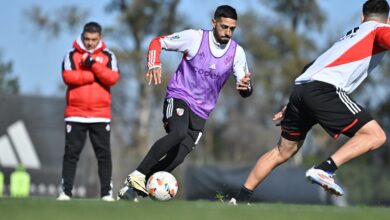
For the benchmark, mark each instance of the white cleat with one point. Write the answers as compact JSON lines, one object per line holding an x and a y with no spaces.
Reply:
{"x":122,"y":192}
{"x":325,"y":180}
{"x":127,"y":193}
{"x":63,"y":197}
{"x":108,"y":198}
{"x":232,"y":201}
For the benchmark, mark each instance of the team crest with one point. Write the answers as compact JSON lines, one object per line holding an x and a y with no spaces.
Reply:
{"x":179,"y":111}
{"x":228,"y":60}
{"x":99,"y":59}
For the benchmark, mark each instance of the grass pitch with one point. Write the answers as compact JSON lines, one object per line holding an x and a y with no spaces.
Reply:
{"x":85,"y":209}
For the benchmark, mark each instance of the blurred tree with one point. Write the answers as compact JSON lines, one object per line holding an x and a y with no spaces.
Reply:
{"x":379,"y":107}
{"x":277,"y":50}
{"x":139,"y":19}
{"x":64,"y":19}
{"x":298,"y":12}
{"x":9,"y":84}
{"x":278,"y":46}
{"x":142,"y":20}
{"x":133,"y":100}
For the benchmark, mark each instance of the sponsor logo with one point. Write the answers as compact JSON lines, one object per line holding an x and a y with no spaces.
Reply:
{"x":175,"y":37}
{"x":213,"y":66}
{"x":207,"y":73}
{"x":16,"y":148}
{"x":350,"y":34}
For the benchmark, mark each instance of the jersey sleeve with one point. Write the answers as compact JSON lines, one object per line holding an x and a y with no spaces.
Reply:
{"x":240,"y":66}
{"x":382,"y":36}
{"x":184,"y":42}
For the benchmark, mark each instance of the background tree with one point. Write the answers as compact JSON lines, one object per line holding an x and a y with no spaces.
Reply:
{"x":138,"y":21}
{"x":297,"y":13}
{"x":277,"y":50}
{"x":133,"y":100}
{"x":65,"y":19}
{"x":9,"y":84}
{"x":141,"y":20}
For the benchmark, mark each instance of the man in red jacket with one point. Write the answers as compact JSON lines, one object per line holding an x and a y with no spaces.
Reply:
{"x":88,"y":70}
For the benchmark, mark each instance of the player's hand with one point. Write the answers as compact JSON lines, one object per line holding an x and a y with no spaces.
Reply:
{"x":244,"y":83}
{"x":154,"y":75}
{"x":279,"y":116}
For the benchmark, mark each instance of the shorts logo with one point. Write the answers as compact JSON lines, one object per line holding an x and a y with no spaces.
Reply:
{"x":180,"y":111}
{"x":68,"y":128}
{"x":108,"y":127}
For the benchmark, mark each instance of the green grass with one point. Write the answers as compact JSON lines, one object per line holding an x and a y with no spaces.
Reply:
{"x":50,"y":209}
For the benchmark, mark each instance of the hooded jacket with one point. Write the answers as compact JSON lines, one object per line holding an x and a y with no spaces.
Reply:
{"x":88,"y":96}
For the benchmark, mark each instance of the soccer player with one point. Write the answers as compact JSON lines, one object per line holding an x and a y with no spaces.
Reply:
{"x":321,"y":95}
{"x":209,"y":58}
{"x":89,"y":70}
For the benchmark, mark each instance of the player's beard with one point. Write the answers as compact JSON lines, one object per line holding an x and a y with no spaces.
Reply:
{"x":224,"y":40}
{"x":220,"y":39}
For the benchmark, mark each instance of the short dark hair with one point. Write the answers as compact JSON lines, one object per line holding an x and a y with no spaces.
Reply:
{"x":92,"y":27}
{"x":376,"y":8}
{"x":225,"y":11}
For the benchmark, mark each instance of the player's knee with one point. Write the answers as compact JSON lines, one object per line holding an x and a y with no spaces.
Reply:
{"x":373,"y":135}
{"x":287,"y":150}
{"x":380,"y":139}
{"x":285,"y":154}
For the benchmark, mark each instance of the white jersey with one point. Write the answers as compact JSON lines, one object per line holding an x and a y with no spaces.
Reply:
{"x":188,"y":42}
{"x":348,"y":62}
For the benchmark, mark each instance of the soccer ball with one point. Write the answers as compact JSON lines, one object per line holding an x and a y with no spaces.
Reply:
{"x":162,"y":186}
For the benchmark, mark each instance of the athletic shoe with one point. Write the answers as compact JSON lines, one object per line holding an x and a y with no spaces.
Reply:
{"x":232,"y":201}
{"x":137,"y":183}
{"x":63,"y":197}
{"x":122,"y":193}
{"x":108,"y":198}
{"x":127,"y":193}
{"x":325,"y":180}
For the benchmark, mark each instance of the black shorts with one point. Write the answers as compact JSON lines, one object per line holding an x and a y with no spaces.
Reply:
{"x":323,"y":103}
{"x":178,"y":115}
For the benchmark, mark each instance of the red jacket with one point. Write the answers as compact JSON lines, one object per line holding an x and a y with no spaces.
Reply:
{"x":88,"y":94}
